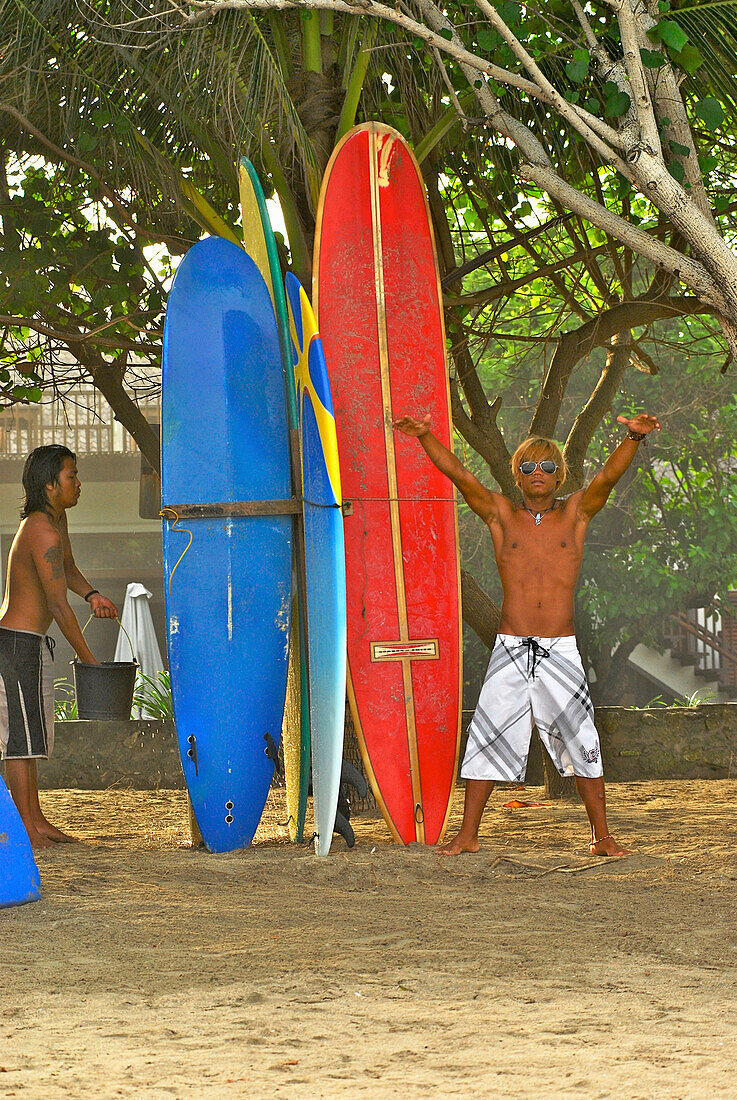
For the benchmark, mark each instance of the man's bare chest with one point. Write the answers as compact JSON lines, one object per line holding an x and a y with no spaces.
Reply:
{"x":553,"y":542}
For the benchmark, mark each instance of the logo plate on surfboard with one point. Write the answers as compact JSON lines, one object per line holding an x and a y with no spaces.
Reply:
{"x":401,"y":651}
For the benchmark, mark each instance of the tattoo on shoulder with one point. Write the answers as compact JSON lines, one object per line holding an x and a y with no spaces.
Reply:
{"x":54,"y":558}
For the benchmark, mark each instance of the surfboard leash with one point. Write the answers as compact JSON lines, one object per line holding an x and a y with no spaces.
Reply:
{"x":181,"y":531}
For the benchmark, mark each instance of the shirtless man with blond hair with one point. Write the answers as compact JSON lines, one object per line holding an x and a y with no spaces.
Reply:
{"x":41,"y":568}
{"x":535,"y":672}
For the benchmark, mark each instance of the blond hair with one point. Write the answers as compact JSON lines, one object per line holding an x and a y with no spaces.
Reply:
{"x":535,"y":449}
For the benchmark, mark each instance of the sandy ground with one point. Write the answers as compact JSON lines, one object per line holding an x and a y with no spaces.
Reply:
{"x":151,"y":969}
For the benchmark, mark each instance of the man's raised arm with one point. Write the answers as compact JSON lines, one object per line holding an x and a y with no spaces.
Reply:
{"x":478,"y":498}
{"x":596,"y":494}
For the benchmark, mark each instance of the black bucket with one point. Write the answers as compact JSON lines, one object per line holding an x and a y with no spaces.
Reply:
{"x":105,"y":691}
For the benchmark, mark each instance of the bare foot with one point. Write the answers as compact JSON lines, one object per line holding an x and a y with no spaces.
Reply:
{"x":45,"y":828}
{"x":458,"y":845}
{"x":607,"y":846}
{"x":37,"y":839}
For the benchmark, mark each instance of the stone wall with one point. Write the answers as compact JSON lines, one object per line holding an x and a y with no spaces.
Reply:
{"x":95,"y":755}
{"x":662,"y":743}
{"x":669,"y":742}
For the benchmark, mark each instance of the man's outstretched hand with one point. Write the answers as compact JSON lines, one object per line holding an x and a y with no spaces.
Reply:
{"x":642,"y":424}
{"x":409,"y":426}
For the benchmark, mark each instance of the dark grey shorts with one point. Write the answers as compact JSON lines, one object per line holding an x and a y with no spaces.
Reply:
{"x":26,"y":694}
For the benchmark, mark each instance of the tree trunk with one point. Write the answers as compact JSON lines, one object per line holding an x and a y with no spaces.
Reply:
{"x":480,"y":612}
{"x":557,"y":788}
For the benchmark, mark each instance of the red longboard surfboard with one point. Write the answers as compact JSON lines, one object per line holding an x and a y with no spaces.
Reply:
{"x":377,"y":294}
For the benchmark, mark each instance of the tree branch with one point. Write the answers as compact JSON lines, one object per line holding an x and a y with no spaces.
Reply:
{"x":575,"y":345}
{"x":688,"y":271}
{"x":597,"y":406}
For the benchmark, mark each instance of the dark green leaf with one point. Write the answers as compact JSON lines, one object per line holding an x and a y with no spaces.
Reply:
{"x":577,"y":71}
{"x":677,"y":170}
{"x":488,"y":40}
{"x":711,"y":112}
{"x":673,"y":35}
{"x":446,"y":33}
{"x":617,"y":105}
{"x":680,"y":150}
{"x":509,"y":12}
{"x":571,"y":96}
{"x":689,"y":59}
{"x":708,"y":164}
{"x":652,"y":59}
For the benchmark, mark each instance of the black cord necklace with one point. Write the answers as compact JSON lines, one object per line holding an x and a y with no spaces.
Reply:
{"x":537,"y":516}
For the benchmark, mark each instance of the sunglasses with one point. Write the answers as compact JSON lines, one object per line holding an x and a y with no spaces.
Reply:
{"x":547,"y":466}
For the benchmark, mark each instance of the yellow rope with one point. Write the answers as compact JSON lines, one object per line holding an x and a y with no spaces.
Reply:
{"x":183,"y":531}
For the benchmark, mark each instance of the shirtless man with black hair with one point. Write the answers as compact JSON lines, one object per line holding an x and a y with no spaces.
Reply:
{"x":41,"y":568}
{"x":535,"y":672}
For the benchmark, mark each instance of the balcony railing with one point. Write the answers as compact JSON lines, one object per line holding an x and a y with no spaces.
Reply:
{"x":83,"y":422}
{"x":706,"y":638}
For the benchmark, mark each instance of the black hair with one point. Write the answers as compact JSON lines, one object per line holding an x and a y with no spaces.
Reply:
{"x":42,"y":468}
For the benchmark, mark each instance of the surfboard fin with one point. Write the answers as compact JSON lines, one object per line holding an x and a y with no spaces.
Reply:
{"x":342,"y":826}
{"x":350,"y":775}
{"x":272,"y":751}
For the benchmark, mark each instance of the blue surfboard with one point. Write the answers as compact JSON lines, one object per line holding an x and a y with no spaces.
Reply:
{"x":19,"y":878}
{"x":324,"y":562}
{"x":227,"y":510}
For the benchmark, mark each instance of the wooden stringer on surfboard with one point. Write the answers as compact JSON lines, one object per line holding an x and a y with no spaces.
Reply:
{"x":384,"y":340}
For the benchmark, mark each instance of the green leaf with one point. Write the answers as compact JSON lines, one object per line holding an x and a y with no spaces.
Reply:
{"x":677,"y":170}
{"x":617,"y":105}
{"x":592,"y":104}
{"x":571,"y":96}
{"x":609,"y":87}
{"x":446,"y":33}
{"x":488,"y":39}
{"x":652,"y":59}
{"x":673,"y":35}
{"x":680,"y":150}
{"x":663,"y":6}
{"x":689,"y":59}
{"x":510,"y":13}
{"x":711,"y":112}
{"x":708,"y":164}
{"x":577,"y":71}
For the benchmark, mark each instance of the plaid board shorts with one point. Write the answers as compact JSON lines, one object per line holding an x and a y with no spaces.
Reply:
{"x":26,"y":694}
{"x":540,"y":680}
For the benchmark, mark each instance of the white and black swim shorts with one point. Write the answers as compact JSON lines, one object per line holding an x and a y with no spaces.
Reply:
{"x":26,"y":694}
{"x":540,"y":680}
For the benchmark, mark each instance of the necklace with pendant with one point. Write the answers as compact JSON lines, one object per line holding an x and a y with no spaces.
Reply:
{"x":537,"y":516}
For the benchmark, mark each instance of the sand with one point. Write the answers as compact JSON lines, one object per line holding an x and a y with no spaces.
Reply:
{"x":151,"y":969}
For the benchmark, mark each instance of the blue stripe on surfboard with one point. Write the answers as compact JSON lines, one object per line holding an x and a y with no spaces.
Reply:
{"x":319,"y":375}
{"x":326,"y":617}
{"x":224,"y":437}
{"x":325,"y":567}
